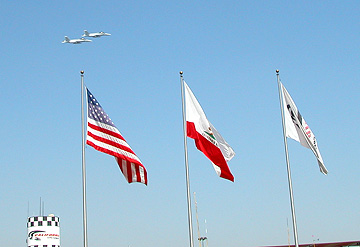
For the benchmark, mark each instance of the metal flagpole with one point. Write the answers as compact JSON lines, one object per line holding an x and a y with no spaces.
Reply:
{"x":288,"y":163}
{"x":186,"y":163}
{"x":207,"y":243}
{"x":197,"y":220}
{"x":83,"y":160}
{"x":287,"y":224}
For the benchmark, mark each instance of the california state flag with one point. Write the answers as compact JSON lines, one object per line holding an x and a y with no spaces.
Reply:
{"x":206,"y":137}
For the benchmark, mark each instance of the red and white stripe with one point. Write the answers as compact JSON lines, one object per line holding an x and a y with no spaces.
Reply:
{"x":108,"y":139}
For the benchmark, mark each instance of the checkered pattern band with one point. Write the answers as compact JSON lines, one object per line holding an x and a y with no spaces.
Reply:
{"x":45,"y":245}
{"x":43,"y":221}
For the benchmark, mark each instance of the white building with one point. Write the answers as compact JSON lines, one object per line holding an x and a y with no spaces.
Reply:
{"x":43,"y":231}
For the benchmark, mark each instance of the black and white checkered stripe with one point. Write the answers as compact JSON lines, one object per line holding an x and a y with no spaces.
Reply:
{"x":43,"y":221}
{"x":45,"y":245}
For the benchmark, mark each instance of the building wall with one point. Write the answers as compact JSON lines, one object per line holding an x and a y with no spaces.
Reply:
{"x":43,"y":231}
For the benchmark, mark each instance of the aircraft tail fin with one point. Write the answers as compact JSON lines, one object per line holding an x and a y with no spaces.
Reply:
{"x":86,"y":33}
{"x":66,"y":39}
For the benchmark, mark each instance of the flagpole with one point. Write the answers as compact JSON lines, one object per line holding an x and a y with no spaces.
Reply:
{"x":197,"y":220}
{"x":287,"y":163}
{"x":83,"y":160}
{"x":186,"y":163}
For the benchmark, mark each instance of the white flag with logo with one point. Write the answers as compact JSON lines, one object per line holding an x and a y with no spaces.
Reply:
{"x":297,"y":129}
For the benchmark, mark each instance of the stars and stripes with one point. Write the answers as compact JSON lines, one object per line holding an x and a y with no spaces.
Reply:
{"x":105,"y":137}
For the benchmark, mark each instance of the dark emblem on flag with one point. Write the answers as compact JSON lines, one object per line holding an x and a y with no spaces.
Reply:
{"x":293,"y":117}
{"x":210,"y":133}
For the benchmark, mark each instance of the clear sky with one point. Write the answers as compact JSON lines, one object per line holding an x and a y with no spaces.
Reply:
{"x":229,"y":51}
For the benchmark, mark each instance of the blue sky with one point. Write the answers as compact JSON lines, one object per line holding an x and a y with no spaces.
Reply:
{"x":229,"y":51}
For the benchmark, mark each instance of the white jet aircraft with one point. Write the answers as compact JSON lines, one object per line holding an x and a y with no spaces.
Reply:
{"x":95,"y":35}
{"x":75,"y":41}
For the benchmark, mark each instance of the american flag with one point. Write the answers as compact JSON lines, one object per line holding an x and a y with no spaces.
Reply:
{"x":105,"y":137}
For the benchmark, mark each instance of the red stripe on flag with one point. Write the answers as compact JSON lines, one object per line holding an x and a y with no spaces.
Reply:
{"x":111,"y":143}
{"x":138,"y":177}
{"x":106,"y":131}
{"x":110,"y":152}
{"x":127,"y":160}
{"x":210,"y":150}
{"x":191,"y":130}
{"x":129,"y":171}
{"x":120,"y":164}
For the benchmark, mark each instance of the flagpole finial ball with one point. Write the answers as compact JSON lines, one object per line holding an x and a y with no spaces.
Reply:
{"x":181,"y":72}
{"x":82,"y":72}
{"x":277,"y":71}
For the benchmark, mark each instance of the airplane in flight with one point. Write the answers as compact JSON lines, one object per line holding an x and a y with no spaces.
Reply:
{"x":75,"y":41}
{"x":95,"y":35}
